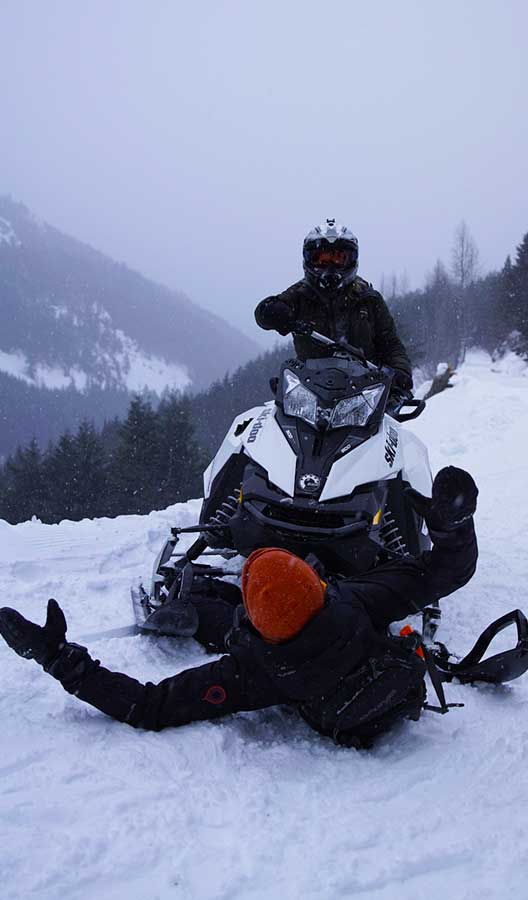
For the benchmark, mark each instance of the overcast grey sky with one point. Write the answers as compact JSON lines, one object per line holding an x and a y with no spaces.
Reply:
{"x":199,"y":142}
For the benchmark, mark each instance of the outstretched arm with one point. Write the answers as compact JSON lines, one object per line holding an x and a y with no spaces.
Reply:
{"x":205,"y":692}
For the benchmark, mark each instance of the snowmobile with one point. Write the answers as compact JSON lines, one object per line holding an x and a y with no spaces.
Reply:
{"x":320,"y":470}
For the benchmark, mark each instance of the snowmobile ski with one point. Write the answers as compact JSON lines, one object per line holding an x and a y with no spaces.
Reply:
{"x":123,"y":631}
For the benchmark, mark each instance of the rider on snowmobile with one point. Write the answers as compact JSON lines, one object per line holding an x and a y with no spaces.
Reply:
{"x":336,"y":302}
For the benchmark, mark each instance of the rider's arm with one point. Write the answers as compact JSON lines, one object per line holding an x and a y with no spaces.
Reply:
{"x":205,"y":692}
{"x":389,"y":348}
{"x":279,"y":312}
{"x":405,"y":586}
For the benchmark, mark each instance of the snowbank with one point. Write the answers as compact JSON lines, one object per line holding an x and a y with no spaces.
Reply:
{"x":258,"y":806}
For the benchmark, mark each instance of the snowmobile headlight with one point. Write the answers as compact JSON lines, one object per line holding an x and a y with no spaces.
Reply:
{"x":297,"y":400}
{"x":357,"y":410}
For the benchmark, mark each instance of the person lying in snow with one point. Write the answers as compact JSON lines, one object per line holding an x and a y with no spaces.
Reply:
{"x":335,"y":301}
{"x":287,"y":638}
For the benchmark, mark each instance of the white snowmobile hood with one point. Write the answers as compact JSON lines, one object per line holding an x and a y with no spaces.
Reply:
{"x":391,"y":451}
{"x":265,"y":443}
{"x":262,"y":441}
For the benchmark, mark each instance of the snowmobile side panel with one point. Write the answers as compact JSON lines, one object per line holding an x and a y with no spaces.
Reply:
{"x":231,"y":444}
{"x":390,"y":452}
{"x":377,"y":459}
{"x":416,"y":468}
{"x":266,"y":444}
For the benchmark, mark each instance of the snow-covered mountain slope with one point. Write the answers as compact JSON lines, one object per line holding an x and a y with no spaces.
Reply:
{"x":72,"y":317}
{"x":258,"y":806}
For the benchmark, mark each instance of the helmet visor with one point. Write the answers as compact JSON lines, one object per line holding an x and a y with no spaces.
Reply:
{"x":325,"y":255}
{"x":338,"y":258}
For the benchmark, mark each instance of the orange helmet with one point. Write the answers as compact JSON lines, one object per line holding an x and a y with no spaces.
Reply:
{"x":281,"y":593}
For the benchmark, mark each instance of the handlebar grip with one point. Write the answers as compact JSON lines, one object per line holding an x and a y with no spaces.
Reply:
{"x":419,"y":406}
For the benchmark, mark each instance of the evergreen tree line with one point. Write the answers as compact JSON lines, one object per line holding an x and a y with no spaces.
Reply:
{"x":458,"y":309}
{"x":46,"y":412}
{"x":146,"y":462}
{"x":156,"y":456}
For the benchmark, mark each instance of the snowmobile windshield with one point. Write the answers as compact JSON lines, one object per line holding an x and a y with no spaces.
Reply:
{"x":353,"y":411}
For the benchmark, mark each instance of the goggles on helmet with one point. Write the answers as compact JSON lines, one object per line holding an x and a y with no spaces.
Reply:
{"x":323,"y":255}
{"x":338,"y":258}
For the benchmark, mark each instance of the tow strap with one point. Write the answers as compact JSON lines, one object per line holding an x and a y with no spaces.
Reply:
{"x":415,"y":641}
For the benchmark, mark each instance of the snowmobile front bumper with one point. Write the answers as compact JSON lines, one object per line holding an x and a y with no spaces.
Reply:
{"x":176,"y":616}
{"x":348,"y":548}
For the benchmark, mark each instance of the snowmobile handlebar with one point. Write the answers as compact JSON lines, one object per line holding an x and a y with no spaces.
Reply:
{"x":418,"y":408}
{"x":305,"y":330}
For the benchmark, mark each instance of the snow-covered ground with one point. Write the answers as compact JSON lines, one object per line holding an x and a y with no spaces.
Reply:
{"x":258,"y":806}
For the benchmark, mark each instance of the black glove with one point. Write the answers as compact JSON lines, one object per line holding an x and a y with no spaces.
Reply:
{"x":397,"y":399}
{"x":41,"y":643}
{"x":401,"y":381}
{"x":300,"y":326}
{"x":454,"y":500}
{"x":280,"y":316}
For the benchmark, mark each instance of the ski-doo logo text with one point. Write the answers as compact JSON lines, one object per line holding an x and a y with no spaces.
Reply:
{"x":391,"y":446}
{"x":259,"y":423}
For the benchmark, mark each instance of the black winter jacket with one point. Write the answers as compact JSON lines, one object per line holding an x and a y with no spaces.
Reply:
{"x":356,"y":313}
{"x":255,"y":674}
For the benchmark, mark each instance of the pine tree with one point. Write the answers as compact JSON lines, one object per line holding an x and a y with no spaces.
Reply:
{"x":62,"y":475}
{"x":135,"y":466}
{"x":521,"y":287}
{"x":24,"y":490}
{"x":521,"y":258}
{"x":485,"y":313}
{"x":90,"y":487}
{"x":181,"y":461}
{"x":447,"y":313}
{"x":511,"y":306}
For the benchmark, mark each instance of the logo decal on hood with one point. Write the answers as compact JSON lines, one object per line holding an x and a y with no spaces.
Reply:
{"x":309,"y":483}
{"x":391,"y":445}
{"x":258,"y":424}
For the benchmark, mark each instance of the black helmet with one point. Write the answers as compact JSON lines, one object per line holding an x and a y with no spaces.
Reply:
{"x":330,"y":256}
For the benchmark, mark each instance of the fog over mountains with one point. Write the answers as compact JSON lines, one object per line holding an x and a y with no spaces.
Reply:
{"x":80,"y":331}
